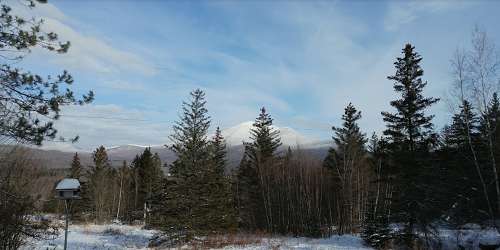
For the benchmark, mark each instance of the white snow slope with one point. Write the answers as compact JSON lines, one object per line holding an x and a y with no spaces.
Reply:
{"x":344,"y":242}
{"x":114,"y":237}
{"x":241,"y":132}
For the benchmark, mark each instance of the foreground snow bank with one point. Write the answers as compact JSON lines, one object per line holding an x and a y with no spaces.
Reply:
{"x":115,"y":236}
{"x":111,"y":237}
{"x":468,"y":238}
{"x":344,"y":242}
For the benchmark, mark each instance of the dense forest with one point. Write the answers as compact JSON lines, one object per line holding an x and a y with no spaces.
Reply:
{"x":395,"y":188}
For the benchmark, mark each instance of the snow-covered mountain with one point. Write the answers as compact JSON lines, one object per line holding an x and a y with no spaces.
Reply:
{"x":61,"y":158}
{"x":238,"y":134}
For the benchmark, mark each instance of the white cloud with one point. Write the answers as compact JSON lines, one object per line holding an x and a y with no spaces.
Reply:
{"x":305,"y":65}
{"x":123,"y":85}
{"x":109,"y":125}
{"x":404,"y":12}
{"x":87,"y":52}
{"x":92,"y":54}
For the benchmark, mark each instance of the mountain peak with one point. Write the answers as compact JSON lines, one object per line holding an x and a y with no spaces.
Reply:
{"x":240,"y":133}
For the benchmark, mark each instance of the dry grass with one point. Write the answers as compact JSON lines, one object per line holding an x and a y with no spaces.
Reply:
{"x":230,"y":239}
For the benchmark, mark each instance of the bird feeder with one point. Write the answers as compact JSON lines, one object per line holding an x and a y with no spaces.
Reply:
{"x":68,"y":189}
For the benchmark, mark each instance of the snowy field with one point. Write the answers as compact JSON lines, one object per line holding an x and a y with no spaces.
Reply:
{"x":98,"y":237}
{"x":133,"y":237}
{"x":115,"y":236}
{"x":469,"y":239}
{"x":345,"y":242}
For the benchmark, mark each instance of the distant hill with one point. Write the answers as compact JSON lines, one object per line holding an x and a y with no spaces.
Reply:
{"x":234,"y":138}
{"x":60,"y":159}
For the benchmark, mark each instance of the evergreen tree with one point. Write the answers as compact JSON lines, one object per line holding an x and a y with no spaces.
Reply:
{"x":456,"y":134}
{"x":489,"y":128}
{"x":190,"y":142}
{"x":220,"y":202}
{"x":259,"y":154}
{"x":76,"y":167}
{"x":186,"y":209}
{"x":344,"y":162}
{"x":25,"y":96}
{"x":149,"y":176}
{"x":265,"y":139}
{"x":493,"y":117}
{"x":78,"y":206}
{"x":494,"y":111}
{"x":249,"y":196}
{"x":136,"y":204}
{"x":124,"y":181}
{"x":99,"y":183}
{"x":218,"y":152}
{"x":157,"y":169}
{"x":410,"y":136}
{"x":463,"y":185}
{"x":376,"y":231}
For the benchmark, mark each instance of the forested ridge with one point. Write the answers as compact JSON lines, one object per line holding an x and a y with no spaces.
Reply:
{"x":395,"y":188}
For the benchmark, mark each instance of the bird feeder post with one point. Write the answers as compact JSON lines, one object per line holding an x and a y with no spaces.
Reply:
{"x":66,"y":228}
{"x":67,"y":190}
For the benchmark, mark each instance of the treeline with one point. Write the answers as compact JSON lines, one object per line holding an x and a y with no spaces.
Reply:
{"x":123,"y":193}
{"x":393,"y":188}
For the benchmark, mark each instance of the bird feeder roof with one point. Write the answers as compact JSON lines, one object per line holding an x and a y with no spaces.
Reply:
{"x":68,"y":184}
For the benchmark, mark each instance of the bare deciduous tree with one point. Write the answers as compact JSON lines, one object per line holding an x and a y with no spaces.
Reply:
{"x":477,"y":77}
{"x":460,"y":91}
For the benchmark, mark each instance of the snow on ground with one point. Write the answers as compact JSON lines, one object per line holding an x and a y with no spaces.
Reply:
{"x":114,"y":236}
{"x":83,"y":237}
{"x":345,"y":242}
{"x":468,"y":238}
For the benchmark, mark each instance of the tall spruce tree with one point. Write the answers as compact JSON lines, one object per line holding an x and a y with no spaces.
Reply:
{"x":218,"y":152}
{"x":376,"y":231}
{"x":190,"y":142}
{"x":157,"y":167}
{"x":265,"y":139}
{"x":222,"y":214}
{"x":76,"y":167}
{"x":123,"y":181}
{"x":248,"y":199}
{"x":259,"y":154}
{"x":78,"y":206}
{"x":489,"y":127}
{"x":148,"y":181}
{"x":99,"y":183}
{"x":26,"y":97}
{"x":186,"y":210}
{"x":456,"y":136}
{"x":136,"y":204}
{"x":344,"y":161}
{"x":493,"y":117}
{"x":410,"y":135}
{"x":466,"y":195}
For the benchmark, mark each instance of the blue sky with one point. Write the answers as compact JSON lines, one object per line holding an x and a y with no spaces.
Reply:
{"x":303,"y":60}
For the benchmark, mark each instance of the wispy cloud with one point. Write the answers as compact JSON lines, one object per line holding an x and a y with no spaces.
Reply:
{"x":303,"y":61}
{"x":404,"y":12}
{"x":111,"y":125}
{"x":87,"y":52}
{"x":94,"y":55}
{"x":124,"y":85}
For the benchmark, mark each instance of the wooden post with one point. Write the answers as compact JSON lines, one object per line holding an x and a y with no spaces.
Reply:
{"x":66,"y":229}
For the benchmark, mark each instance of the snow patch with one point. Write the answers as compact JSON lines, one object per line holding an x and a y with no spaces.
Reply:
{"x":113,"y":237}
